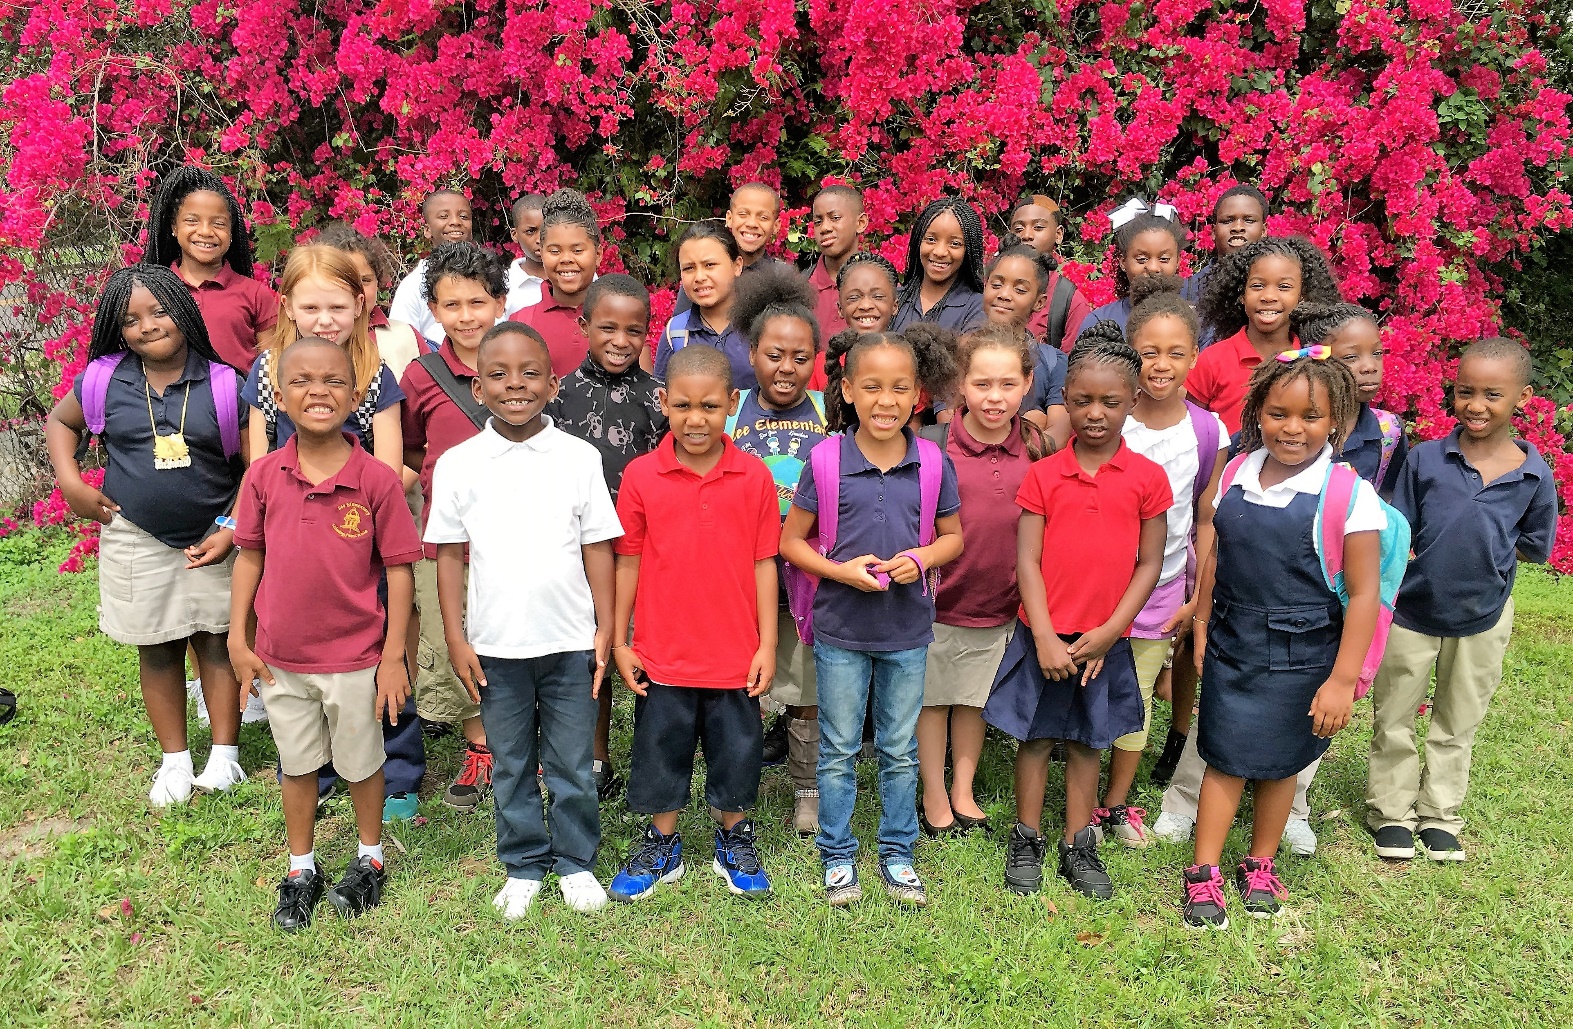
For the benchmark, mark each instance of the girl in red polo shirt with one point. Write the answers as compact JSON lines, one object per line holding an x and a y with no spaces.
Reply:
{"x":570,"y":254}
{"x":1068,"y":673}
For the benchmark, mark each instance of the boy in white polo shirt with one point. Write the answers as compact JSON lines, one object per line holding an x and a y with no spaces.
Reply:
{"x":532,"y":505}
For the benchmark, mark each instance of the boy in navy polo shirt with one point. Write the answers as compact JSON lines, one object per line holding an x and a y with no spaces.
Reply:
{"x":1478,"y":501}
{"x":319,"y":521}
{"x":696,"y":511}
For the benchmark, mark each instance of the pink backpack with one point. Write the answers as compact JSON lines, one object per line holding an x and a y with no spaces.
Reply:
{"x":825,"y":459}
{"x":222,"y":381}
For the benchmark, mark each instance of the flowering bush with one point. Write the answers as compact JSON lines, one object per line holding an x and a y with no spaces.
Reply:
{"x":1422,"y":143}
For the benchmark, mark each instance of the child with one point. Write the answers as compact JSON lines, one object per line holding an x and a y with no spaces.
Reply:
{"x":991,"y":446}
{"x":526,"y":274}
{"x":709,"y":261}
{"x":1191,"y":445}
{"x":1239,"y":217}
{"x":753,"y":216}
{"x":196,"y":228}
{"x":779,"y":423}
{"x":1280,"y":654}
{"x":1247,"y":304}
{"x":1039,"y":222}
{"x":1479,"y":501}
{"x":397,"y":342}
{"x":1068,"y":673}
{"x":1014,"y":289}
{"x":1375,"y":446}
{"x":465,"y":287}
{"x":446,"y":218}
{"x":570,"y":253}
{"x":696,"y":511}
{"x":1147,"y":241}
{"x":867,"y":290}
{"x":320,"y":522}
{"x":173,"y":467}
{"x":531,"y":504}
{"x":839,"y":224}
{"x":895,"y":520}
{"x":944,"y":279}
{"x":611,"y":402}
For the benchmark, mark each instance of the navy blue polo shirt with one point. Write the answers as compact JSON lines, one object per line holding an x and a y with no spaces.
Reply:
{"x":730,"y":342}
{"x":959,"y":310}
{"x":176,"y":506}
{"x":1048,"y":378}
{"x":1465,"y":535}
{"x":1363,"y":450}
{"x":1191,"y":291}
{"x":1116,"y":311}
{"x":877,"y":513}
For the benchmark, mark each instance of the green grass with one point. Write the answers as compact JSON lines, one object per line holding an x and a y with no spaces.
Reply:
{"x":1487,"y":943}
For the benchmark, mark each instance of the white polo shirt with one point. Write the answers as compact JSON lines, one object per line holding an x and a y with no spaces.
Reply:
{"x":524,"y":289}
{"x":525,"y":509}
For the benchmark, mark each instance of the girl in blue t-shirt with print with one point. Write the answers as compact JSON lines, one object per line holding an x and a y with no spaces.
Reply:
{"x":873,"y":612}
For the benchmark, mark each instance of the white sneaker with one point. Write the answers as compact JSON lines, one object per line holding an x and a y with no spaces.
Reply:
{"x":1171,"y":828}
{"x":516,"y":896}
{"x":219,"y":776}
{"x":171,"y":786}
{"x":1300,"y":837}
{"x":194,"y":691}
{"x":255,"y":711}
{"x":583,"y":892}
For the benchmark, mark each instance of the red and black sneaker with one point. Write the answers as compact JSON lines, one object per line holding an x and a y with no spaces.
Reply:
{"x":474,"y":780}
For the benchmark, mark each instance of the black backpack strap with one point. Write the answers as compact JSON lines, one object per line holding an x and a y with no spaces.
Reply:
{"x":938,"y":434}
{"x":1059,"y":310}
{"x":441,"y":374}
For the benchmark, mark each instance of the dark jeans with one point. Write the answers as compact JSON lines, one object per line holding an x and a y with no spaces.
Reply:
{"x":405,"y":745}
{"x":669,"y":722}
{"x":538,"y":712}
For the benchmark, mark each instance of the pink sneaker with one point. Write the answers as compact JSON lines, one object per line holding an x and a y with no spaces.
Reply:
{"x":1204,"y":906}
{"x":1260,"y":889}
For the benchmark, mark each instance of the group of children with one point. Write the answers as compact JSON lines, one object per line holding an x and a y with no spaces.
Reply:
{"x":903,"y":506}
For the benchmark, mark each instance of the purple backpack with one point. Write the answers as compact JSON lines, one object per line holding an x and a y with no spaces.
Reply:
{"x":825,"y":459}
{"x":222,"y":380}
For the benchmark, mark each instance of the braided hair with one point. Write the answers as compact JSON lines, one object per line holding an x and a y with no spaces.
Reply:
{"x":171,"y":193}
{"x":1126,"y":235}
{"x":172,"y":295}
{"x":569,"y":207}
{"x":1000,"y":337}
{"x":1221,"y":305}
{"x":1343,"y":397}
{"x":1103,"y":344}
{"x":971,"y":272}
{"x":867,"y":257}
{"x":1314,"y":323}
{"x":1155,"y":295}
{"x":773,"y":291}
{"x":933,"y":351}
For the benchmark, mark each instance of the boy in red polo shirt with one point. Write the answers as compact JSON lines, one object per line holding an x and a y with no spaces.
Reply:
{"x":696,"y":510}
{"x":319,"y":522}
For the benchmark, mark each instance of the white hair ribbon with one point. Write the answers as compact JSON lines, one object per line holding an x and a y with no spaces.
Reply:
{"x":1137,"y":206}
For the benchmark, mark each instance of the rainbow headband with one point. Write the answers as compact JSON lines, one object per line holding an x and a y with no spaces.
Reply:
{"x":1320,"y":352}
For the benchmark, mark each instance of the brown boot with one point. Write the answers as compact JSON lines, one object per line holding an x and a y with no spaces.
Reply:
{"x":803,"y":766}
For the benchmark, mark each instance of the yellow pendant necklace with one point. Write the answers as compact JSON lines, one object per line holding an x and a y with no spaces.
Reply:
{"x":169,"y":451}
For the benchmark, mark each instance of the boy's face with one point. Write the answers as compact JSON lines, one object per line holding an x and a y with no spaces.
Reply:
{"x":448,"y":219}
{"x":697,"y":406}
{"x":513,"y":378}
{"x":1238,"y":221}
{"x":1038,"y":227}
{"x":527,"y":233}
{"x":1487,"y":393}
{"x":616,"y":330}
{"x":202,"y":228}
{"x":839,"y":222}
{"x":1358,"y":343}
{"x":465,"y":310}
{"x":317,"y":389}
{"x":753,"y":219}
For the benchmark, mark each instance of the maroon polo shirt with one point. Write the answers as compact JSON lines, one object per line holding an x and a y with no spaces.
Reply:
{"x":828,"y":307}
{"x":1075,"y":315}
{"x":429,"y":419}
{"x":978,"y":589}
{"x":236,"y":309}
{"x":326,"y":547}
{"x":558,"y":324}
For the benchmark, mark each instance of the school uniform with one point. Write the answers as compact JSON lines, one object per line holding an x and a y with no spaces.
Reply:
{"x":409,"y":305}
{"x":827,"y":305}
{"x":1116,"y":311}
{"x":1048,"y":379}
{"x":1075,"y":316}
{"x":558,"y":324}
{"x":762,"y":262}
{"x":258,"y":392}
{"x":237,"y":311}
{"x":689,"y":327}
{"x":524,"y":290}
{"x":1217,"y":382}
{"x":619,"y":415}
{"x":1455,"y":613}
{"x":1363,"y":451}
{"x":1191,"y":292}
{"x":959,"y":310}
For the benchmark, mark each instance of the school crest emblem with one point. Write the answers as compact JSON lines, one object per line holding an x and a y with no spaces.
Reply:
{"x":354,"y":520}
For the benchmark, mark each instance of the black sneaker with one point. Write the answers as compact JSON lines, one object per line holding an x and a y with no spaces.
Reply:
{"x":608,"y":784}
{"x":1204,"y":906}
{"x":474,"y":780}
{"x":1024,"y":852}
{"x":776,"y":740}
{"x":1163,"y":769}
{"x":1259,"y":886}
{"x":1080,"y":866}
{"x":1395,"y":842}
{"x":299,"y":893}
{"x":361,"y":888}
{"x":1441,"y":845}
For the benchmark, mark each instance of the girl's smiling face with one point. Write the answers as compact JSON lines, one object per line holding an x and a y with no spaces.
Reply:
{"x":1295,"y":420}
{"x":202,"y":228}
{"x":1011,"y":293}
{"x":784,"y":361}
{"x":569,"y":257}
{"x":994,"y":386}
{"x":325,"y":309}
{"x":882,"y":385}
{"x":1272,"y":291}
{"x":149,"y":331}
{"x":1153,"y":252}
{"x":1358,"y":343}
{"x":942,"y":250}
{"x":368,"y":277}
{"x":1168,"y":350}
{"x":867,"y":298}
{"x":708,"y":272}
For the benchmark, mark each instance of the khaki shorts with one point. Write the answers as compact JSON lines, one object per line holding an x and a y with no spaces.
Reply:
{"x":317,"y":717}
{"x":439,"y":695}
{"x":147,"y":595}
{"x":794,"y":681}
{"x":1149,"y":656}
{"x":962,"y":661}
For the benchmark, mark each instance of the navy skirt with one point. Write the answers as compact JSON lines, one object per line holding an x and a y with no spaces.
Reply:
{"x":1030,"y":706}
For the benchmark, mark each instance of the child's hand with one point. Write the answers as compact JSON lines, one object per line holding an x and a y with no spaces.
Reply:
{"x":601,"y":650}
{"x":1332,"y":707}
{"x":761,"y":671}
{"x":87,"y":502}
{"x":1180,"y":624}
{"x":393,"y":688}
{"x":211,"y":550}
{"x":631,"y":668}
{"x":1090,"y":650}
{"x":1198,"y":642}
{"x":467,"y":666}
{"x":856,"y":573}
{"x":902,"y":569}
{"x":1054,"y":658}
{"x":247,"y":664}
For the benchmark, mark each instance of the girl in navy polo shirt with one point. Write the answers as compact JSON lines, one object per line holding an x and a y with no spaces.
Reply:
{"x":944,"y":279}
{"x":1375,"y":445}
{"x":1015,"y":289}
{"x":709,"y":263}
{"x":1145,"y":243}
{"x":873,"y":611}
{"x":166,"y":505}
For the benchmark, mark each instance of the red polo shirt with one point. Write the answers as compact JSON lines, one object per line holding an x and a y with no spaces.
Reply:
{"x":696,"y":616}
{"x":429,"y":419}
{"x":558,"y":324}
{"x":978,"y":589}
{"x":326,"y":546}
{"x":1075,"y":315}
{"x":1099,"y":515}
{"x":236,"y":310}
{"x":1217,"y":381}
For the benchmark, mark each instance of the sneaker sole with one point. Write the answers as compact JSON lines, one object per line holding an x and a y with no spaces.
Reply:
{"x":1443,"y":856}
{"x":1091,"y":894}
{"x":460,"y":807}
{"x":670,"y":877}
{"x":719,"y":869}
{"x":906,"y":898}
{"x":1133,"y":844}
{"x":1395,"y":853}
{"x":1025,"y":887}
{"x":845,"y":898}
{"x":1204,"y":926}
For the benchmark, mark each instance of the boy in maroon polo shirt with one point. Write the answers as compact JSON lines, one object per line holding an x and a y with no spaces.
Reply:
{"x":465,"y":287}
{"x":696,"y":510}
{"x":839,"y":224}
{"x":319,"y":522}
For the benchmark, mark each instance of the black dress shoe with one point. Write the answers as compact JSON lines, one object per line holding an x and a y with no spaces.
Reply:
{"x":299,"y":893}
{"x":360,"y":889}
{"x":966,"y":823}
{"x":933,"y":831}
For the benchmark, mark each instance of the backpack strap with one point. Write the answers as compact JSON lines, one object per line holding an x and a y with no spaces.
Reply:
{"x":938,"y":434}
{"x":1231,"y":471}
{"x":1332,"y":515}
{"x":1392,"y":433}
{"x":825,"y":459}
{"x":1206,"y":428}
{"x":225,"y":385}
{"x":1059,"y":310}
{"x":673,"y":338}
{"x":267,"y":400}
{"x":462,"y":398}
{"x":931,"y":472}
{"x":95,"y":388}
{"x":817,"y":398}
{"x":731,"y":419}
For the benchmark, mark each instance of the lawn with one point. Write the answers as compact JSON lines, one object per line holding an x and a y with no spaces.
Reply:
{"x":112,"y":915}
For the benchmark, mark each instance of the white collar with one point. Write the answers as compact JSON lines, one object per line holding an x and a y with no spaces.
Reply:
{"x":1308,"y":480}
{"x":518,"y":266}
{"x":496,"y":445}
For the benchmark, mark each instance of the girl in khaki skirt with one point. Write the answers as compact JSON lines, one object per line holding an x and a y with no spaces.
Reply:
{"x":167,"y":413}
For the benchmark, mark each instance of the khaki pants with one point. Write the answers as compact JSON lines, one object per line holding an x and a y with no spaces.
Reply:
{"x":1149,"y":656}
{"x":1468,"y":671}
{"x":439,"y":695}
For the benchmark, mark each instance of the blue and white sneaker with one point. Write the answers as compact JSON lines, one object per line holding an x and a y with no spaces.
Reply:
{"x":902,"y":883}
{"x":737,"y":860}
{"x":657,"y":859}
{"x":841,"y":884}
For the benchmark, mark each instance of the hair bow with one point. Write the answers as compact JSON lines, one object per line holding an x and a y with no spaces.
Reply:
{"x":1319,"y":352}
{"x":1137,"y":206}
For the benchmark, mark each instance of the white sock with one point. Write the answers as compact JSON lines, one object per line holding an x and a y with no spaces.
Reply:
{"x":374,"y":851}
{"x":223,"y":753}
{"x":180,"y":760}
{"x":303,"y":862}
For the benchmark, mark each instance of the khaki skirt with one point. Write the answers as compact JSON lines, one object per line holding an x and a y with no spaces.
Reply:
{"x":147,"y":595}
{"x":962,"y":661}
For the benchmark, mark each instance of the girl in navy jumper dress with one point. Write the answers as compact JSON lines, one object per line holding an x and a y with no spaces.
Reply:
{"x":1280,"y":654}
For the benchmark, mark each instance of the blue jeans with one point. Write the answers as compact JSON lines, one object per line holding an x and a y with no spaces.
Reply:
{"x":843,"y":678}
{"x":538,"y":712}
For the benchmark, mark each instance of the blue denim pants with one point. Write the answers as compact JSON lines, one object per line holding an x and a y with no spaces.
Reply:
{"x":843,"y":678}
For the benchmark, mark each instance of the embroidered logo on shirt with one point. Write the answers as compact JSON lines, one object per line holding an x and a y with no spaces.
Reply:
{"x":352,"y":520}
